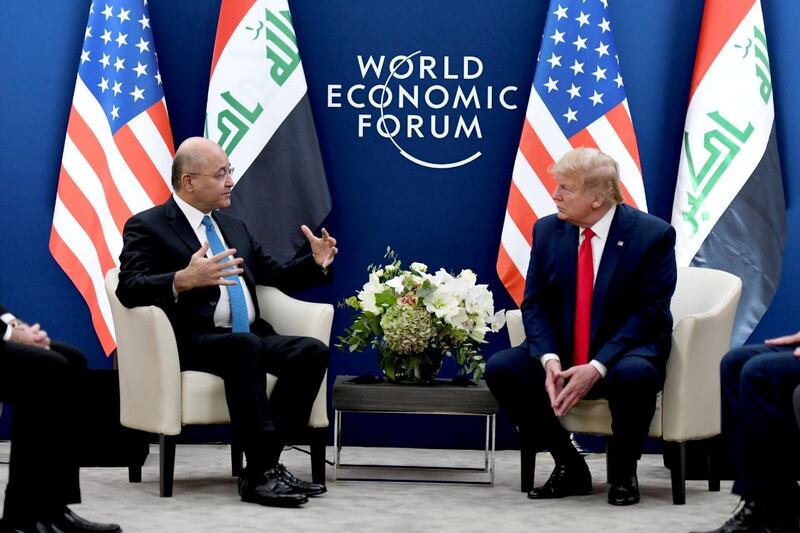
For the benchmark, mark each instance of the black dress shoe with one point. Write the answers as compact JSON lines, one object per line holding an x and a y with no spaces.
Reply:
{"x":68,"y":522}
{"x":565,"y":481}
{"x":625,"y":492}
{"x":759,"y":517}
{"x":270,"y":489}
{"x":28,"y":527}
{"x":299,"y":486}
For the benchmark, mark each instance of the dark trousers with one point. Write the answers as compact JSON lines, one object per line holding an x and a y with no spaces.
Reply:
{"x":758,"y":422}
{"x":41,"y":386}
{"x":517,"y":381}
{"x":261,"y":426}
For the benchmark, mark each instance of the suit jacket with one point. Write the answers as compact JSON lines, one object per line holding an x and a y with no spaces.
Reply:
{"x":159,"y":241}
{"x":632,"y":290}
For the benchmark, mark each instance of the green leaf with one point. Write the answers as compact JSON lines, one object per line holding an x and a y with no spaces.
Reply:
{"x":386,"y":298}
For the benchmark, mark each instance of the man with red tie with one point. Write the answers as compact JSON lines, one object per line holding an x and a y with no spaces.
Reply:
{"x":597,"y":325}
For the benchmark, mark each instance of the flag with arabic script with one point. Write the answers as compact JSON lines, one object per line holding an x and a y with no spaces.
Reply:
{"x":729,"y":211}
{"x":259,"y":112}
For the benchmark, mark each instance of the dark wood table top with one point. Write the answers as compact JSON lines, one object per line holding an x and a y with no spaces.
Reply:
{"x":438,"y":397}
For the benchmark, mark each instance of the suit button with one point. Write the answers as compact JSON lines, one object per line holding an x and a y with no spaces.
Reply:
{"x":213,"y":302}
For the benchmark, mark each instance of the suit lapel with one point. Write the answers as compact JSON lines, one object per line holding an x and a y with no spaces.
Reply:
{"x":177,"y":220}
{"x":617,"y":240}
{"x":567,"y":271}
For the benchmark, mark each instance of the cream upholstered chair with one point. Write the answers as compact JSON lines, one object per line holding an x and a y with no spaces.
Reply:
{"x":703,"y":309}
{"x":155,"y":396}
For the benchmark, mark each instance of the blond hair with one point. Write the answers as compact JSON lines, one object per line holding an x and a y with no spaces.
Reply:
{"x":597,"y":170}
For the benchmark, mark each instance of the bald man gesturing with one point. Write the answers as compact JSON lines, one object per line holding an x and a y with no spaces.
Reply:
{"x":201,"y":267}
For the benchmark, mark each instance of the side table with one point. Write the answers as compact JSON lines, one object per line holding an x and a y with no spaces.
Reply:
{"x":439,"y":398}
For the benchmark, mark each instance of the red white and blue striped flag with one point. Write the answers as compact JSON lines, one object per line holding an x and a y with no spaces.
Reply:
{"x":117,"y":152}
{"x":577,"y":99}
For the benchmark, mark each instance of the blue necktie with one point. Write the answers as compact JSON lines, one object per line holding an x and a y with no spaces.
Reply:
{"x":239,"y":321}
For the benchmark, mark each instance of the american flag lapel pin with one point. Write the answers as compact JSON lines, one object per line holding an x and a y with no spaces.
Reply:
{"x":620,"y":243}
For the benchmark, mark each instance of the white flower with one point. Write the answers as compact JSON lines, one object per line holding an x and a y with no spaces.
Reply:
{"x":479,"y":300}
{"x":441,"y":277}
{"x":396,"y":283}
{"x":498,"y":320}
{"x":419,"y":267}
{"x":468,"y":276}
{"x":478,"y":333}
{"x":458,"y":318}
{"x":458,"y":286}
{"x":367,"y":295}
{"x":441,"y":302}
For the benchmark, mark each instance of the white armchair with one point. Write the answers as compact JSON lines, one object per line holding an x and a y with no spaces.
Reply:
{"x":703,"y":310}
{"x":155,"y":396}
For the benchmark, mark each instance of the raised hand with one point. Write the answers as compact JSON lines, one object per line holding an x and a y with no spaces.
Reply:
{"x":322,"y":248}
{"x":205,"y":271}
{"x":786,"y":340}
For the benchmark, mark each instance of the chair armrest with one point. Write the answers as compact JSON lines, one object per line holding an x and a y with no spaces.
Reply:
{"x":149,"y":368}
{"x":691,"y":408}
{"x":516,"y":330}
{"x":290,"y":316}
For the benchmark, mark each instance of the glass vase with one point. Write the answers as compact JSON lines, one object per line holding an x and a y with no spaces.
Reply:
{"x":420,"y":368}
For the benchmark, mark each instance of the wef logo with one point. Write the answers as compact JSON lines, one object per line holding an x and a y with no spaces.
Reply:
{"x":416,"y":100}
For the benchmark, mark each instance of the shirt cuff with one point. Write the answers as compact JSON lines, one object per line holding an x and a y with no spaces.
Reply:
{"x":7,"y":318}
{"x":599,"y":366}
{"x":547,"y":357}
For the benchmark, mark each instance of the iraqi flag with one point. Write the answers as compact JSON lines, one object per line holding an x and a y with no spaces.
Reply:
{"x":258,"y":111}
{"x":729,"y":210}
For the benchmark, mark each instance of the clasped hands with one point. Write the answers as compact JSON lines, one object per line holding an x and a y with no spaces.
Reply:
{"x":566,"y":388}
{"x":203,"y":271}
{"x":31,"y":335}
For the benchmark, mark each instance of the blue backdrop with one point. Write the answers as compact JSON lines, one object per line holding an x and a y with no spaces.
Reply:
{"x":450,"y":218}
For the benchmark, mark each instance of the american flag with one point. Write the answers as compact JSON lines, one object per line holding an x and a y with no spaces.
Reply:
{"x":577,"y":99}
{"x":117,"y":153}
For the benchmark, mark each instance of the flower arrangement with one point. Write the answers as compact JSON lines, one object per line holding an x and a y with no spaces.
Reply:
{"x":414,"y":318}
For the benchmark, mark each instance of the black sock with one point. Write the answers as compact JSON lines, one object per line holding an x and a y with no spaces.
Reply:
{"x":564,"y":453}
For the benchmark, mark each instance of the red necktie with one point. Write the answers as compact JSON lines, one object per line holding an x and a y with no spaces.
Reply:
{"x":584,"y":287}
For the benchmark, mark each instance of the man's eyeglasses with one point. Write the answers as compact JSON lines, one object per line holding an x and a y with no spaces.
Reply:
{"x":222,"y":174}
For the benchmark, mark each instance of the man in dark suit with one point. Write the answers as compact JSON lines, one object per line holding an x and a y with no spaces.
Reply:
{"x":39,"y":378}
{"x":597,"y":324}
{"x":761,"y":434}
{"x":201,"y":266}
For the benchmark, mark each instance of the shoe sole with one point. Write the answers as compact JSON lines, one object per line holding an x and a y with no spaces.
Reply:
{"x":276,"y":502}
{"x":623,"y":504}
{"x":581,"y":493}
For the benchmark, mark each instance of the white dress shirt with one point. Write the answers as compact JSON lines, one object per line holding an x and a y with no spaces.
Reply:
{"x":222,"y":313}
{"x":598,"y":242}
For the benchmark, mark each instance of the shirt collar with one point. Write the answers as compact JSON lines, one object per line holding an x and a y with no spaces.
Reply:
{"x":603,"y":226}
{"x":192,"y":214}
